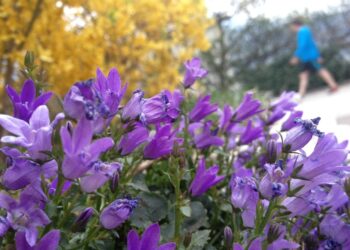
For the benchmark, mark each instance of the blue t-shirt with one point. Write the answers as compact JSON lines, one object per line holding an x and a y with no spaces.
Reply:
{"x":306,"y":47}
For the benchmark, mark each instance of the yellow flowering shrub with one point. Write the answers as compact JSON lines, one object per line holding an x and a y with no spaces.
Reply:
{"x":145,"y":39}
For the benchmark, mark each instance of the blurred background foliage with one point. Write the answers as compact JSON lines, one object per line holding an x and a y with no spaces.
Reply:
{"x":256,"y":54}
{"x":147,"y":40}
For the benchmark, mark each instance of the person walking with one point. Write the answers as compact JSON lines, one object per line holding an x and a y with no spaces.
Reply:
{"x":308,"y":57}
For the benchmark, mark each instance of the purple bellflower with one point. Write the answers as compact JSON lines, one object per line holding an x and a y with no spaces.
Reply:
{"x":202,"y":109}
{"x":247,"y":108}
{"x":49,"y":241}
{"x":193,"y":72}
{"x":53,"y":186}
{"x":133,"y":107}
{"x":22,"y":171}
{"x":300,"y":135}
{"x":154,"y":109}
{"x":244,"y":195}
{"x":280,"y":107}
{"x":98,"y":174}
{"x":80,"y":151}
{"x":327,"y":157}
{"x":203,"y":136}
{"x":174,"y":106}
{"x":26,"y":102}
{"x":274,"y":183}
{"x":277,"y":234}
{"x":133,"y":139}
{"x":22,"y":216}
{"x":162,"y":143}
{"x":290,"y":122}
{"x":205,"y":178}
{"x":117,"y":212}
{"x":96,"y":100}
{"x":322,"y":167}
{"x":250,"y":133}
{"x":336,"y":231}
{"x":254,"y":245}
{"x":315,"y":200}
{"x":225,"y":122}
{"x":34,"y":135}
{"x":285,"y":101}
{"x":148,"y":241}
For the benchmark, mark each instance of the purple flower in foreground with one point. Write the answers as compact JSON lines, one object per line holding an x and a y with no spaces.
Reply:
{"x":285,"y":101}
{"x":117,"y":212}
{"x":49,"y":241}
{"x":279,"y":107}
{"x":23,"y":216}
{"x":193,"y":72}
{"x":162,"y":143}
{"x":275,"y":238}
{"x":96,"y":100}
{"x":250,"y":133}
{"x":244,"y":195}
{"x":247,"y":108}
{"x":25,"y":103}
{"x":202,"y":109}
{"x":148,"y":241}
{"x":203,"y":136}
{"x":274,"y":183}
{"x":53,"y":186}
{"x":336,"y":231}
{"x":327,"y":157}
{"x":254,"y":245}
{"x":290,"y":122}
{"x":225,"y":118}
{"x":205,"y":178}
{"x":79,"y":149}
{"x":98,"y":174}
{"x":133,"y":108}
{"x":131,"y":140}
{"x":175,"y":99}
{"x":300,"y":135}
{"x":34,"y":135}
{"x":154,"y":109}
{"x":22,"y":171}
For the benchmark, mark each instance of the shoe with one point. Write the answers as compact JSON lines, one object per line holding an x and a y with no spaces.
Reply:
{"x":335,"y":89}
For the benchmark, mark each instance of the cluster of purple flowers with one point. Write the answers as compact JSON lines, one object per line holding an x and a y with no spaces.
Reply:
{"x":281,"y":196}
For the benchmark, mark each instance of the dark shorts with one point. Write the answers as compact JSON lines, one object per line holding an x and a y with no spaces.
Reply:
{"x":311,"y":66}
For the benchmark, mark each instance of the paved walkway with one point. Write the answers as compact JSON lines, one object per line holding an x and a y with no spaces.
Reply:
{"x":334,"y":110}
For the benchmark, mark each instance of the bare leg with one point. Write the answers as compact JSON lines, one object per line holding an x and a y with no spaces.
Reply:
{"x":303,"y":82}
{"x":328,"y":78}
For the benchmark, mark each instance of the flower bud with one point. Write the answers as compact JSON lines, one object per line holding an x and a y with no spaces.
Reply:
{"x":187,"y":239}
{"x":117,"y":212}
{"x":271,"y":151}
{"x":300,"y":135}
{"x":114,"y":181}
{"x":82,"y":220}
{"x":273,"y":233}
{"x":228,"y":237}
{"x":347,"y":186}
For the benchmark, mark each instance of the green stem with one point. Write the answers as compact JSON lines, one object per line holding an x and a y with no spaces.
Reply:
{"x":235,"y":225}
{"x":178,"y":202}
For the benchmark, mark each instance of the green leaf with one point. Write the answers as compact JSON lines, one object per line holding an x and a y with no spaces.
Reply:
{"x":199,"y":239}
{"x":186,"y":210}
{"x":138,"y":183}
{"x":152,"y":208}
{"x":198,"y":217}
